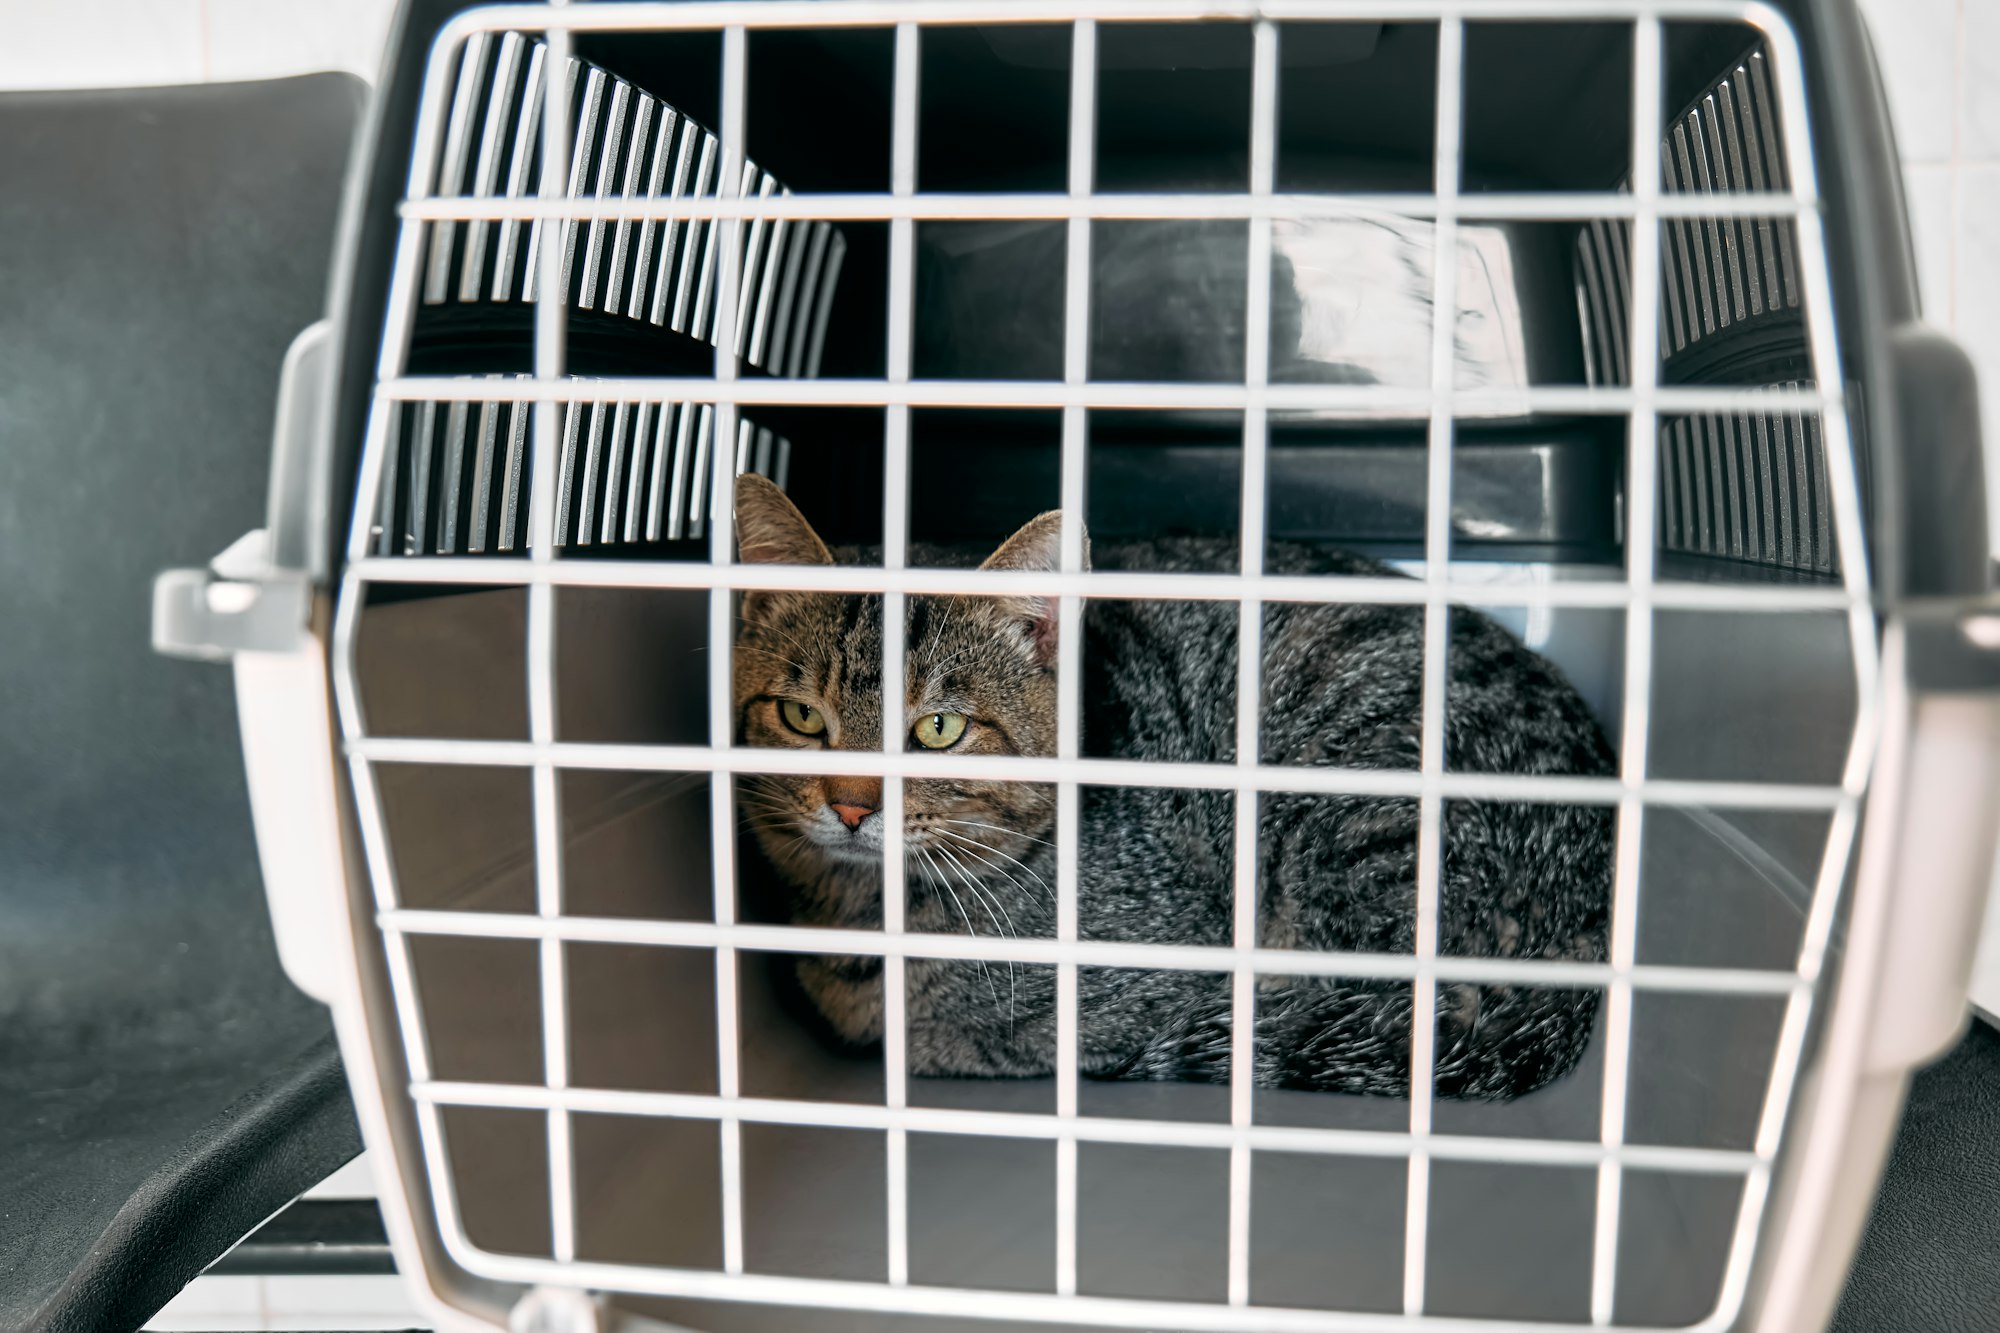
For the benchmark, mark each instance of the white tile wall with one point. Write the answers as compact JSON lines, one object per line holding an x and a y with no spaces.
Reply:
{"x":255,"y":39}
{"x":1941,"y":59}
{"x":1980,"y":120}
{"x":1910,"y":36}
{"x":115,"y":43}
{"x":1928,"y":189}
{"x":100,"y":43}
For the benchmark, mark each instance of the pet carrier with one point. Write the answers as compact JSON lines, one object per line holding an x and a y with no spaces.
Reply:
{"x":1597,"y":317}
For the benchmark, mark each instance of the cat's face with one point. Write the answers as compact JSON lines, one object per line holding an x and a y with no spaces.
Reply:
{"x":979,"y":679}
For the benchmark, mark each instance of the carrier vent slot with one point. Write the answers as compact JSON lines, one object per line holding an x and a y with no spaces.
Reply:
{"x":1747,"y":486}
{"x":458,"y":476}
{"x":624,"y":143}
{"x":1716,"y":274}
{"x":1744,"y":487}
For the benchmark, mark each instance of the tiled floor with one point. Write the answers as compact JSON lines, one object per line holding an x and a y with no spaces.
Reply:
{"x":1941,"y":59}
{"x":291,"y":1304}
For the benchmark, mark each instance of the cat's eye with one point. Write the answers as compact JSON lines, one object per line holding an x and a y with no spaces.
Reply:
{"x":802,"y":718}
{"x":935,"y":731}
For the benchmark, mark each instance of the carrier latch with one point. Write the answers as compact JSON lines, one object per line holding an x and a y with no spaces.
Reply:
{"x":257,"y":596}
{"x":241,"y":603}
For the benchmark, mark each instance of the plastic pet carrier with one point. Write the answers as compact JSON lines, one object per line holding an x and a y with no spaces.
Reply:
{"x":1597,"y":317}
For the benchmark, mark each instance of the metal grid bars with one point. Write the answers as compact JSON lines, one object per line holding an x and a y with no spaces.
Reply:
{"x":550,"y":393}
{"x":1633,"y":733}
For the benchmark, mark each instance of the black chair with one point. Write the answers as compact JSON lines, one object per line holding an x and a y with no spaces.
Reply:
{"x":163,"y":1086}
{"x":1931,"y":1256}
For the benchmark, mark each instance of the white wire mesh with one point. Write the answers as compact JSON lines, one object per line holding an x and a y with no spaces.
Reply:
{"x":1637,"y":595}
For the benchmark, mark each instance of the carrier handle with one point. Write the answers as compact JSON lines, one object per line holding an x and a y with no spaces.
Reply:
{"x":1943,"y":870}
{"x":1934,"y":807}
{"x":1940,"y":467}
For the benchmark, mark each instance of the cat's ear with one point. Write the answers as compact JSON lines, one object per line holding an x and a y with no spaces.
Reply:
{"x":770,"y":530}
{"x":1037,"y":546}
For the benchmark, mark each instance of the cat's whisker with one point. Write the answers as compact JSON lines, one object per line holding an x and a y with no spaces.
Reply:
{"x":1047,"y":892}
{"x":983,"y":896}
{"x":998,"y":870}
{"x":984,"y":971}
{"x":776,"y":657}
{"x":768,"y":628}
{"x":998,"y":828}
{"x":988,"y":847}
{"x":938,"y":669}
{"x":988,"y":902}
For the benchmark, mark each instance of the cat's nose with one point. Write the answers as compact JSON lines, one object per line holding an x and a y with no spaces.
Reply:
{"x":853,"y":799}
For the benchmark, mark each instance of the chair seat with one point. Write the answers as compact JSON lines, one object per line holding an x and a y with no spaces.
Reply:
{"x":163,"y":1086}
{"x":1931,"y":1256}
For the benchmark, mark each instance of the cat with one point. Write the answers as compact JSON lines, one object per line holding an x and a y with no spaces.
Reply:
{"x":1342,"y":685}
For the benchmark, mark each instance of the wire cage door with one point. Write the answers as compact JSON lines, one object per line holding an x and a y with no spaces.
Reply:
{"x":583,"y":443}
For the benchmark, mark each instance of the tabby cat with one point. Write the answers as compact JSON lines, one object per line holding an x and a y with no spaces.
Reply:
{"x":1342,"y":687}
